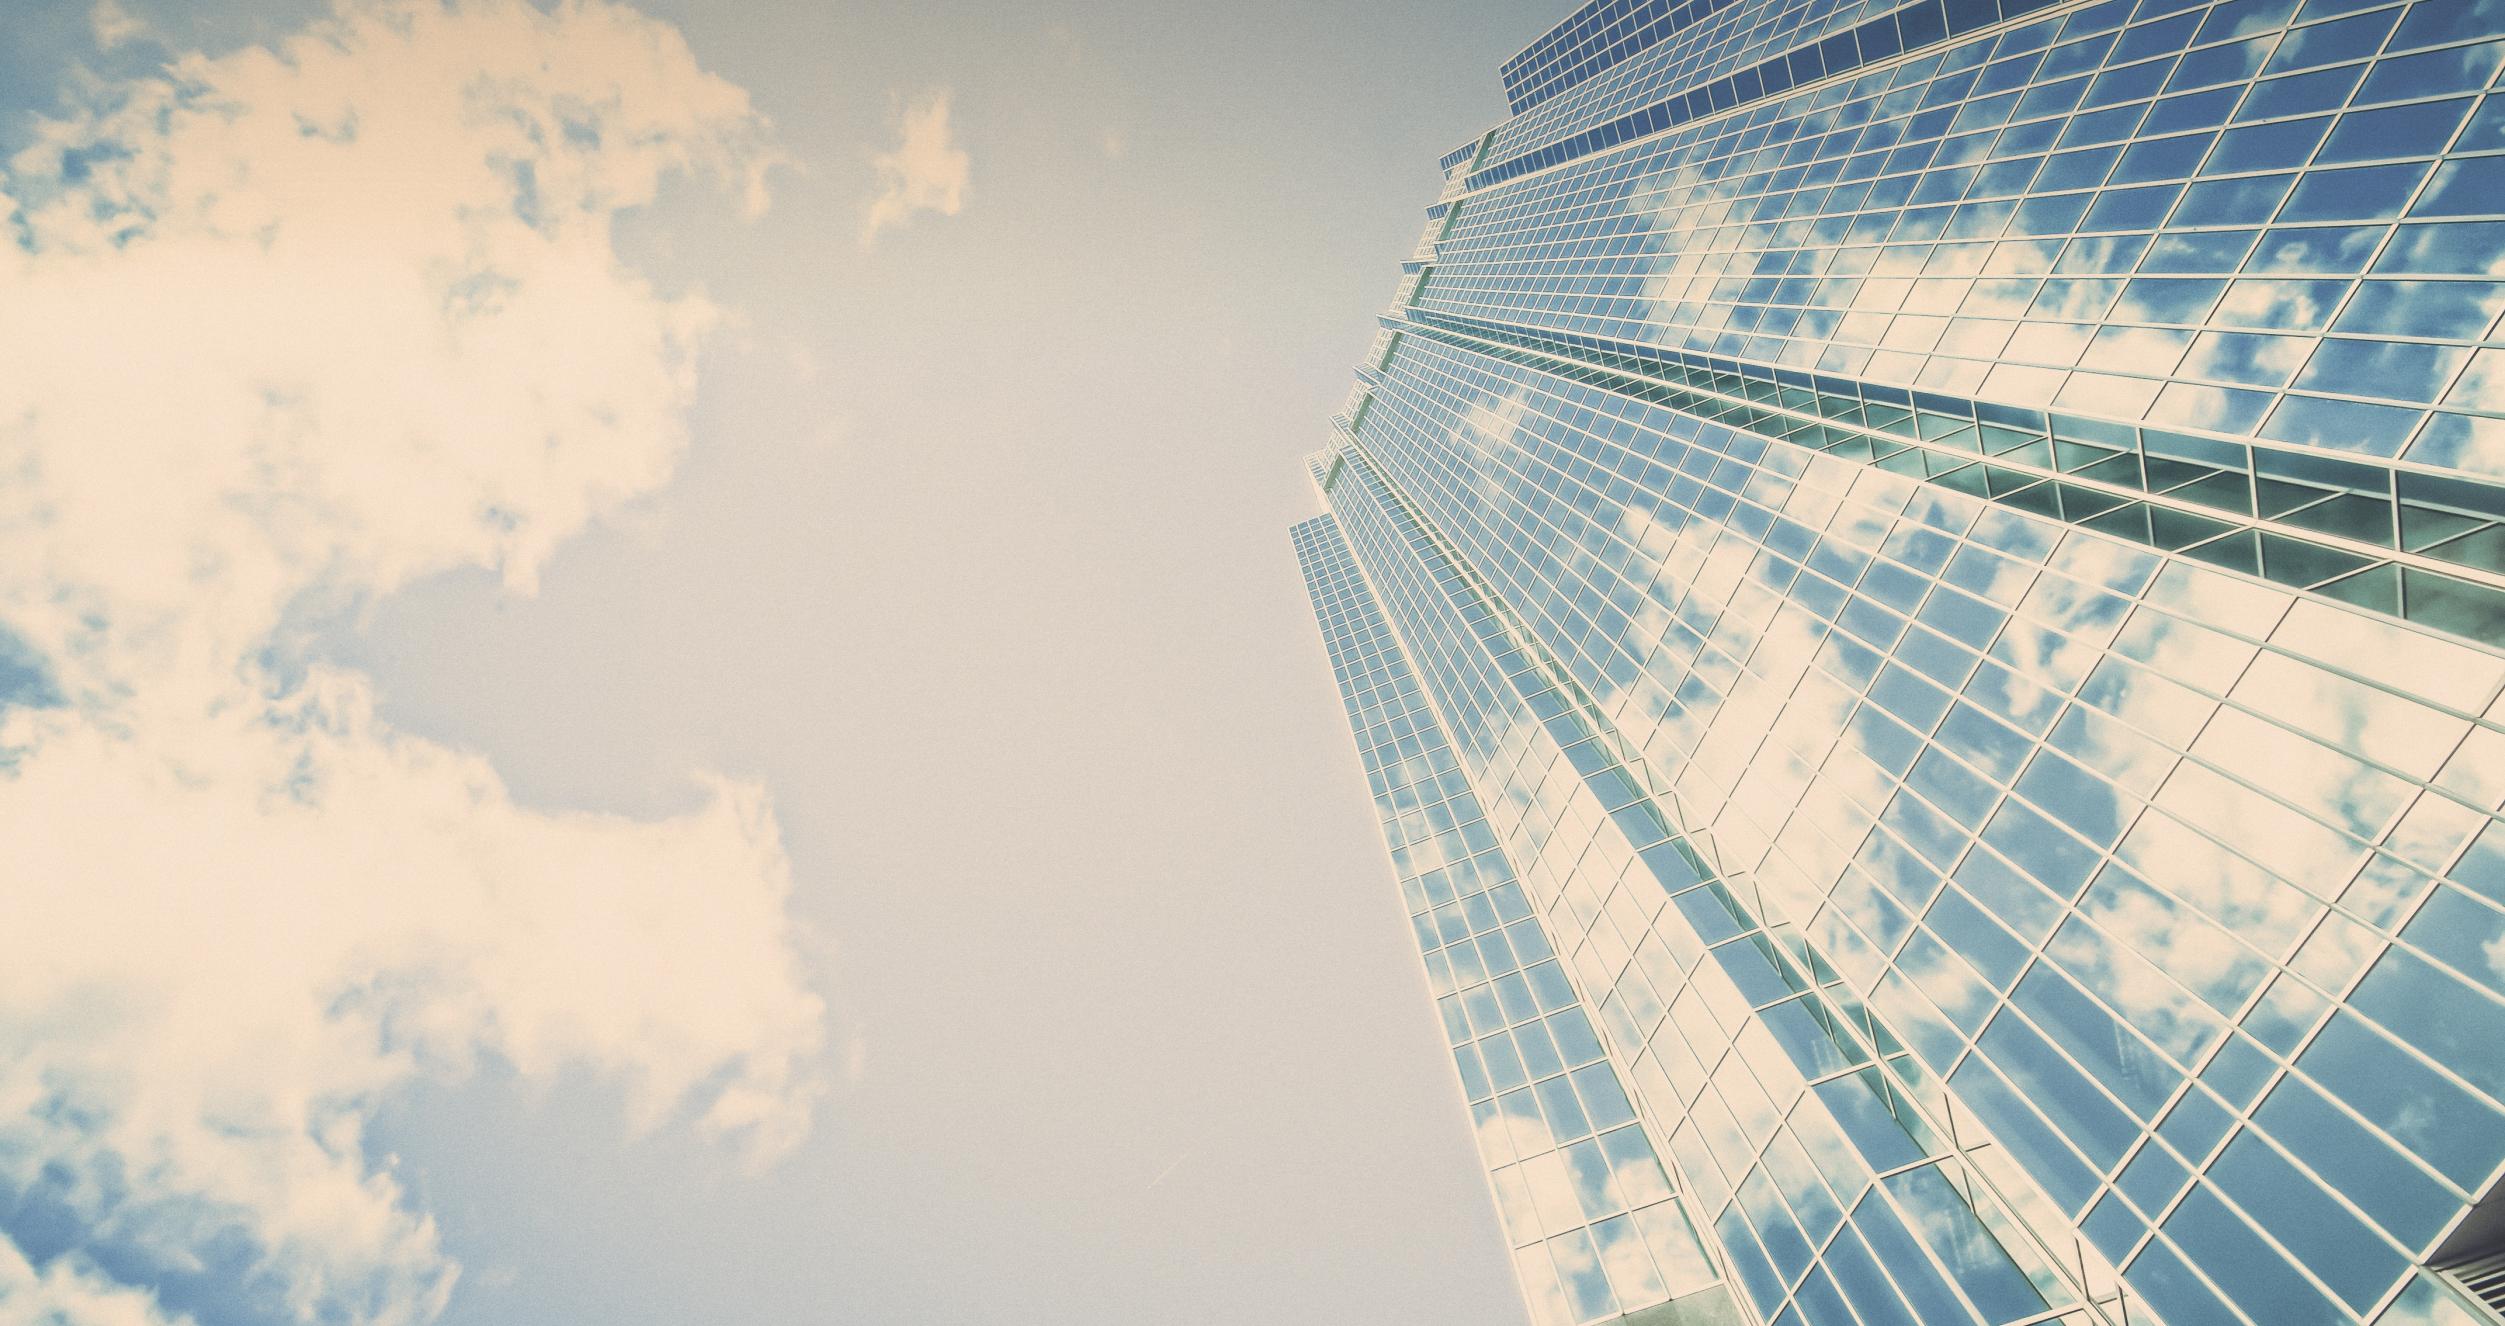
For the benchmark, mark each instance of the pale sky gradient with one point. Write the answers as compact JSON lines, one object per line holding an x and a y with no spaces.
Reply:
{"x":972,"y":580}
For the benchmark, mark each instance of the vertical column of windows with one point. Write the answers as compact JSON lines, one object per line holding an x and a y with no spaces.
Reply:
{"x":1613,"y":879}
{"x":1582,"y":1193}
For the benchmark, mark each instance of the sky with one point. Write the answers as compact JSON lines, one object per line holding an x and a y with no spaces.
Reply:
{"x":654,"y":672}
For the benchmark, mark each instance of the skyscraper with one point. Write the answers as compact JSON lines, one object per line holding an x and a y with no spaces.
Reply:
{"x":1922,"y":592}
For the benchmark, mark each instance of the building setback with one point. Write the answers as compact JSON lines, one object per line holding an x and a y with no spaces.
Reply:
{"x":1922,"y":593}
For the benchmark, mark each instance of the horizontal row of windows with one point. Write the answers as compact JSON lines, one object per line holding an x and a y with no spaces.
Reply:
{"x":1986,"y":305}
{"x":2018,"y":458}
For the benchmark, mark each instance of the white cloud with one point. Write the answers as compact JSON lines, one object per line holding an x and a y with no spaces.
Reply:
{"x":67,"y":1294}
{"x":293,"y":327}
{"x":113,"y":25}
{"x":927,"y":172}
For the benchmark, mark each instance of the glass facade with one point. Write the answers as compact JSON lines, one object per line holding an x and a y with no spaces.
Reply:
{"x":1922,"y":591}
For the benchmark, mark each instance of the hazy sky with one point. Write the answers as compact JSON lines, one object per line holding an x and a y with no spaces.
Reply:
{"x":671,"y":674}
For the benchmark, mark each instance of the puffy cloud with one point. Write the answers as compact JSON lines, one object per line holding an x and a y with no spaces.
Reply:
{"x":927,"y":172}
{"x":287,"y":329}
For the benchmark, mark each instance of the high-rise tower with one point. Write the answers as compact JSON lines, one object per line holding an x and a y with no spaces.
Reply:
{"x":1922,"y":590}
